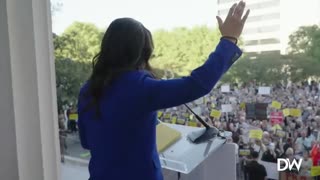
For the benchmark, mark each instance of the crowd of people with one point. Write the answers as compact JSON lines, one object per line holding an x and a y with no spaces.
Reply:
{"x":293,"y":136}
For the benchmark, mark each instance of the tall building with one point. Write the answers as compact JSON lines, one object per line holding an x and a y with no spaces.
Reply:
{"x":272,"y":21}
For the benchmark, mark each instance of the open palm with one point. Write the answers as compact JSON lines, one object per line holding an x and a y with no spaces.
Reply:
{"x":234,"y":22}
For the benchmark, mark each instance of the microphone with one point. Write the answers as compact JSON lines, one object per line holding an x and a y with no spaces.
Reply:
{"x":209,"y":133}
{"x":203,"y":122}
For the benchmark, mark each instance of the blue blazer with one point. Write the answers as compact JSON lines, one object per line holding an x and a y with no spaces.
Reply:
{"x":122,"y":142}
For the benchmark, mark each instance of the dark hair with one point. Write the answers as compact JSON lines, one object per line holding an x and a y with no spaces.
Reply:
{"x":254,"y":154}
{"x":127,"y":45}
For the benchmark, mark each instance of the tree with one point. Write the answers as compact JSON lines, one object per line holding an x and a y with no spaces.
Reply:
{"x":273,"y":68}
{"x":80,"y":42}
{"x":181,"y":50}
{"x":70,"y":76}
{"x":306,"y":40}
{"x":302,"y":67}
{"x":262,"y":69}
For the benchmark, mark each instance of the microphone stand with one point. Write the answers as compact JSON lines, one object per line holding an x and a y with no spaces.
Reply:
{"x":209,"y":133}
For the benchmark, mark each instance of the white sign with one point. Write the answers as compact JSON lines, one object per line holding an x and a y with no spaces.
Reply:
{"x":233,"y":99}
{"x":199,"y":101}
{"x":256,"y":148}
{"x":271,"y":169}
{"x":286,"y":162}
{"x":197,"y":110}
{"x":226,"y":108}
{"x":225,"y":88}
{"x":264,"y":90}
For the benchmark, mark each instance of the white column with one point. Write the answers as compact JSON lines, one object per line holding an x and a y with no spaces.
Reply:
{"x":29,"y":147}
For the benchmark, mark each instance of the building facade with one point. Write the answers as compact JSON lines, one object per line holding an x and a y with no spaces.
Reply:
{"x":272,"y":21}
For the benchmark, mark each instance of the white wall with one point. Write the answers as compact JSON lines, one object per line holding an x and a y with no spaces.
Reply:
{"x":28,"y":114}
{"x":8,"y":158}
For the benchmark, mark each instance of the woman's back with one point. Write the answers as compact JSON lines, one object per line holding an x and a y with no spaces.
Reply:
{"x":122,"y":138}
{"x":117,"y":107}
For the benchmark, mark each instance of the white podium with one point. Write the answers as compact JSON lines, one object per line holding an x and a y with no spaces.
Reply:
{"x":212,"y":160}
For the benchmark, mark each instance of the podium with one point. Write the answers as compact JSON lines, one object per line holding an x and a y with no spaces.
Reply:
{"x":212,"y":160}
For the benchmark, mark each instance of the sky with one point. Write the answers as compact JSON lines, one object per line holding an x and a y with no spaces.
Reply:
{"x":154,"y":14}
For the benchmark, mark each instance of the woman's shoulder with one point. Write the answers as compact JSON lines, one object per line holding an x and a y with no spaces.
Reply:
{"x":139,"y":73}
{"x":136,"y":76}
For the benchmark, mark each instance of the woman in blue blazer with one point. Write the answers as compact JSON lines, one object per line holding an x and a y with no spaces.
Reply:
{"x":118,"y":105}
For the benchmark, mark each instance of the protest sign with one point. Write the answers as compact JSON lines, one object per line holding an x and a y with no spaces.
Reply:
{"x":261,"y":111}
{"x":276,"y":118}
{"x":280,"y":133}
{"x":295,"y":112}
{"x":292,"y":112}
{"x":174,"y":120}
{"x":180,"y":121}
{"x":215,"y":113}
{"x":199,"y":101}
{"x":192,"y":123}
{"x":242,"y":105}
{"x":255,"y":134}
{"x":226,"y":108}
{"x":186,"y":115}
{"x":286,"y":112}
{"x":197,"y":110}
{"x":276,"y":105}
{"x":225,"y":88}
{"x":167,"y":116}
{"x":315,"y":171}
{"x":256,"y":111}
{"x":244,"y":152}
{"x":264,"y":90}
{"x":250,"y":110}
{"x":271,"y":168}
{"x":256,"y":148}
{"x":73,"y":117}
{"x":233,"y":99}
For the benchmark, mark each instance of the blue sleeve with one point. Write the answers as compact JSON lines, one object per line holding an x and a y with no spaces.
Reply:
{"x":82,"y":136}
{"x":81,"y":126}
{"x":168,"y":93}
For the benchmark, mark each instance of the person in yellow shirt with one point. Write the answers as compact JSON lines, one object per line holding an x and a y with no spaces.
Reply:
{"x":73,"y":118}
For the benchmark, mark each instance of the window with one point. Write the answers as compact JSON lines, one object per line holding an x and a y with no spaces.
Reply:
{"x":273,"y":28}
{"x":256,"y":6}
{"x":269,"y":41}
{"x":254,"y":54}
{"x":263,"y":17}
{"x":262,"y":41}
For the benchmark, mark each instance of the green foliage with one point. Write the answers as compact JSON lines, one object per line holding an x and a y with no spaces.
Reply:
{"x":181,"y":50}
{"x":80,"y":42}
{"x":303,"y":67}
{"x":306,"y":40}
{"x":70,"y":76}
{"x":271,"y":69}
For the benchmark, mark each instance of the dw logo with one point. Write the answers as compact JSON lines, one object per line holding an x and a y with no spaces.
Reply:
{"x":283,"y":164}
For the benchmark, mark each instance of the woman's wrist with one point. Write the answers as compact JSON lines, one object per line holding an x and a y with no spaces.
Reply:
{"x":230,"y":38}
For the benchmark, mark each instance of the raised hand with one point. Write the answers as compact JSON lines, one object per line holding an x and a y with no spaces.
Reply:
{"x":234,"y":22}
